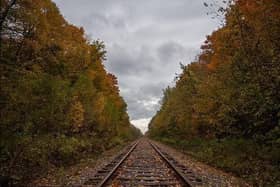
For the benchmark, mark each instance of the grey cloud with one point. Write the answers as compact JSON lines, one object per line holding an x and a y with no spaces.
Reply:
{"x":139,"y":110}
{"x":153,"y":90}
{"x":170,"y":49}
{"x":143,"y":75}
{"x":104,"y":21}
{"x":129,"y":62}
{"x":143,"y":101}
{"x":145,"y":41}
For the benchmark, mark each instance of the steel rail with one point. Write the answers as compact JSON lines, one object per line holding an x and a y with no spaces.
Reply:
{"x":178,"y":172}
{"x":106,"y":179}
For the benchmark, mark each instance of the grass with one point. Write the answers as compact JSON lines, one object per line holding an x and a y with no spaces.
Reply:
{"x":255,"y":163}
{"x":60,"y":175}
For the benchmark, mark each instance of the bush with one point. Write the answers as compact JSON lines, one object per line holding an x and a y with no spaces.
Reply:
{"x":258,"y":164}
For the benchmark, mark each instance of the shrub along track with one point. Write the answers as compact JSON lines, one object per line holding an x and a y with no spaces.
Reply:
{"x":144,"y":164}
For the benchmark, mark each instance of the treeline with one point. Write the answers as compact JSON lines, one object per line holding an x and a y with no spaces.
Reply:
{"x":225,"y":106}
{"x":57,"y":102}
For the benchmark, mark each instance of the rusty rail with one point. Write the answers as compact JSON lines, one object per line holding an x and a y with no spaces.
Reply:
{"x":106,"y":179}
{"x":174,"y":168}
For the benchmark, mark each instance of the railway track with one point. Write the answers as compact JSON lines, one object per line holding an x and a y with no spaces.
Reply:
{"x":144,"y":164}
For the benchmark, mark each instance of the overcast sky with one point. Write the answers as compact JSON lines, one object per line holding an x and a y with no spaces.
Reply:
{"x":145,"y":41}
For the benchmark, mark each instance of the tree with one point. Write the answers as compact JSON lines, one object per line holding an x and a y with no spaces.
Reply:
{"x":57,"y":102}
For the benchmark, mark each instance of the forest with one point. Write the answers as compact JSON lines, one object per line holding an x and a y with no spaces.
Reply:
{"x":224,"y":108}
{"x":58,"y":104}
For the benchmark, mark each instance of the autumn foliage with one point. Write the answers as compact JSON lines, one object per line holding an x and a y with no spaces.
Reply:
{"x":57,"y":102}
{"x":231,"y":95}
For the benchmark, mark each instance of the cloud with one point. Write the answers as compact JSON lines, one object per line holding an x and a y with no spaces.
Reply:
{"x":144,"y":100}
{"x":141,"y":124}
{"x":145,"y":41}
{"x":124,"y":62}
{"x":169,"y":50}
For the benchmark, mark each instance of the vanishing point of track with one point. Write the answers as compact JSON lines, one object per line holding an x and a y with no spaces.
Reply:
{"x":144,"y":164}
